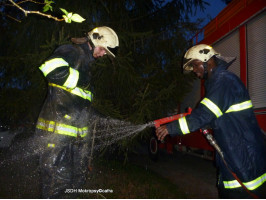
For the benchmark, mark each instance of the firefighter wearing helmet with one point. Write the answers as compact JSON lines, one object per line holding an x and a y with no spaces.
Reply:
{"x":64,"y":124}
{"x":201,"y":53}
{"x":228,"y":110}
{"x":104,"y":37}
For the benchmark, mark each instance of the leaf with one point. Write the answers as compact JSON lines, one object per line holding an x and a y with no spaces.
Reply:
{"x":67,"y":20}
{"x":64,"y":11}
{"x":47,"y":6}
{"x":77,"y":18}
{"x":69,"y":15}
{"x":48,"y":2}
{"x":72,"y":17}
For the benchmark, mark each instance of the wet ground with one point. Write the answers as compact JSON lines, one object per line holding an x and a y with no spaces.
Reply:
{"x":19,"y":179}
{"x":193,"y":175}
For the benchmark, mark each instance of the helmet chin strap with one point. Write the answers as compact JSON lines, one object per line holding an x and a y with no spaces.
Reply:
{"x":91,"y":43}
{"x":205,"y":75}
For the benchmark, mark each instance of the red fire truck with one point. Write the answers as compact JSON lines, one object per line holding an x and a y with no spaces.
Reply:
{"x":238,"y":30}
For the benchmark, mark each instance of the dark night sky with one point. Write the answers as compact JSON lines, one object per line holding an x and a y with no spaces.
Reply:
{"x":210,"y":12}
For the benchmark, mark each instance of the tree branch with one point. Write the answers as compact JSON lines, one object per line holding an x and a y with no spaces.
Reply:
{"x":36,"y":2}
{"x":26,"y":12}
{"x":13,"y":18}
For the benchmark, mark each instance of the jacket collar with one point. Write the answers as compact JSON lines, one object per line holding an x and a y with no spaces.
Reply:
{"x":87,"y":51}
{"x":222,"y":66}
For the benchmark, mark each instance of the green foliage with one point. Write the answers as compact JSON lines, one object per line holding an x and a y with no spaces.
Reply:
{"x":23,"y":87}
{"x":48,"y":6}
{"x":71,"y":17}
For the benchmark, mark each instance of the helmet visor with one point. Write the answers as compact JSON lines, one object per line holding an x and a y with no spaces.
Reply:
{"x":187,"y":66}
{"x":112,"y":51}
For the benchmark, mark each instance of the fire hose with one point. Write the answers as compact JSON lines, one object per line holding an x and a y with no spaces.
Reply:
{"x":212,"y":141}
{"x":157,"y":123}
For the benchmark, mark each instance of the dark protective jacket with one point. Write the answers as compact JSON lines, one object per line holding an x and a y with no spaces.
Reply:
{"x":69,"y":93}
{"x":63,"y":126}
{"x":227,"y":108}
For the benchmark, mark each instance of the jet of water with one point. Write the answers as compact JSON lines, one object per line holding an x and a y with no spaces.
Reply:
{"x":103,"y":133}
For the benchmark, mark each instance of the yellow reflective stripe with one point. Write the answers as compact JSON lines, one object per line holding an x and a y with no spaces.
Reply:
{"x":85,"y":94}
{"x":251,"y":185}
{"x":66,"y":130}
{"x":51,"y":145}
{"x":183,"y":125}
{"x":45,"y":125}
{"x":234,"y":108}
{"x":240,"y":106}
{"x":212,"y":107}
{"x":71,"y":130}
{"x":83,"y":131}
{"x":60,"y":128}
{"x":72,"y":79}
{"x":52,"y":64}
{"x":67,"y":116}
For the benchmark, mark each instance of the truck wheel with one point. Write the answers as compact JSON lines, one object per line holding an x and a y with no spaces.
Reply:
{"x":153,"y":148}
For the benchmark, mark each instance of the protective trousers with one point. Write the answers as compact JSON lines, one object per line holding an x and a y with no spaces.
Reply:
{"x":63,"y":166}
{"x":240,"y":193}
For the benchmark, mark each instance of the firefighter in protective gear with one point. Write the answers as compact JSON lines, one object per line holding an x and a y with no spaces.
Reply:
{"x":106,"y":38}
{"x":227,"y":108}
{"x":66,"y":118}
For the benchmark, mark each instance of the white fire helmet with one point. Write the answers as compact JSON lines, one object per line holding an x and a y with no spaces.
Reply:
{"x":106,"y":38}
{"x":202,"y":52}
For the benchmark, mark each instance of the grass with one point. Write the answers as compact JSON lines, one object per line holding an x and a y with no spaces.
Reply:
{"x":128,"y":182}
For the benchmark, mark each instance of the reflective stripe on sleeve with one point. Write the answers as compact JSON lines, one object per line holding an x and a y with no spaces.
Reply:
{"x":251,"y":185}
{"x":72,"y":79}
{"x":52,"y":64}
{"x":241,"y":106}
{"x":183,"y":125}
{"x":212,"y":107}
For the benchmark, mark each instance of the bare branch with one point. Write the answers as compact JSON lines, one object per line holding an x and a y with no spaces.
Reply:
{"x":26,"y":12}
{"x":13,"y":18}
{"x":36,"y":2}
